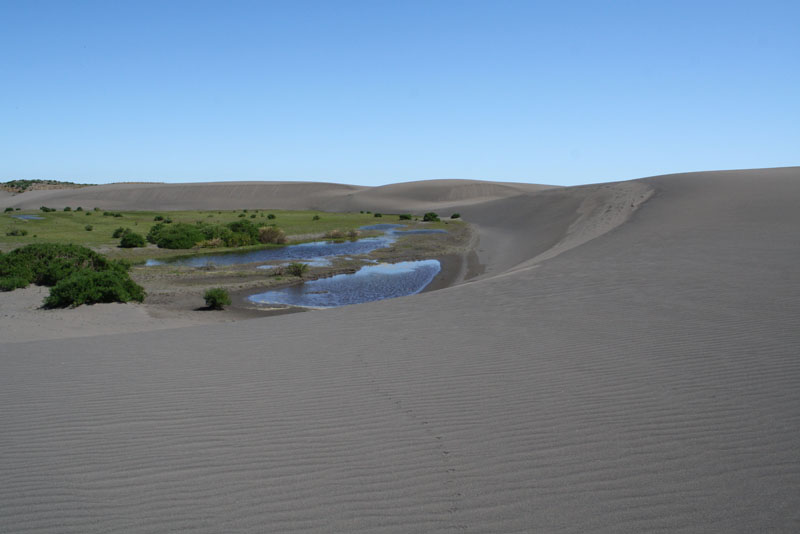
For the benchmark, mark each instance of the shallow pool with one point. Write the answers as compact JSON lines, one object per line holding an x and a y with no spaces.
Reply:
{"x":370,"y":283}
{"x":28,"y":217}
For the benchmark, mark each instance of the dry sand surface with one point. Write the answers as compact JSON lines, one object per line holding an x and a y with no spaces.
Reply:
{"x":628,"y":361}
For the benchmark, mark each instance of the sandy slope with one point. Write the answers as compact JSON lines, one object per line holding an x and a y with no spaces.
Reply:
{"x":644,"y":378}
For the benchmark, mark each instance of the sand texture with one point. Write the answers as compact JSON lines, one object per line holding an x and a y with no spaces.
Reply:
{"x":629,"y":361}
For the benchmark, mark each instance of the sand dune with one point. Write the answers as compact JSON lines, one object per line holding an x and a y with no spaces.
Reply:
{"x":628,"y":362}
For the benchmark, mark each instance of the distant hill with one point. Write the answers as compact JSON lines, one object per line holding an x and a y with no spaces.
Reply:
{"x":20,"y":186}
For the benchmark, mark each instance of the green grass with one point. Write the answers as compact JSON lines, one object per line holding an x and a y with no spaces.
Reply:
{"x":70,"y":227}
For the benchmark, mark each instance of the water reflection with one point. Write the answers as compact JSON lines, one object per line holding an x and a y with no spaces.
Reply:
{"x":370,"y":283}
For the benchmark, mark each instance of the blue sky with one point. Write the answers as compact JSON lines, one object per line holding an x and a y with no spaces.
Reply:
{"x":378,"y":92}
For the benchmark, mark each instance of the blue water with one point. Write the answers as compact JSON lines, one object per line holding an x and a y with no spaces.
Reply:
{"x":315,"y":252}
{"x":373,"y":282}
{"x":28,"y":217}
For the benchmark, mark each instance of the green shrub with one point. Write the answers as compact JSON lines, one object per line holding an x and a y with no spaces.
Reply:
{"x":430,"y":217}
{"x":88,"y":213}
{"x":47,"y":263}
{"x":117,"y":215}
{"x":152,"y":235}
{"x":90,"y":287}
{"x":378,"y":214}
{"x":177,"y":236}
{"x":217,"y":298}
{"x":17,"y":232}
{"x":242,"y":215}
{"x":79,"y":208}
{"x":8,"y":209}
{"x":271,"y":216}
{"x":67,"y":208}
{"x":131,"y":240}
{"x":119,"y":232}
{"x":297,"y":269}
{"x":158,"y":218}
{"x":315,"y":218}
{"x":246,"y":232}
{"x":253,"y":216}
{"x":88,"y":227}
{"x":405,"y":216}
{"x":45,"y":209}
{"x":10,"y":283}
{"x":455,"y":216}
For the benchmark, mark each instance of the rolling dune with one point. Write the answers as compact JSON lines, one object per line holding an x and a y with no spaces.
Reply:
{"x":628,"y":362}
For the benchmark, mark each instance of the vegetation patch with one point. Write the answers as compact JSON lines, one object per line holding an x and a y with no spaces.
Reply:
{"x":297,"y":269}
{"x":217,"y":298}
{"x":20,"y":186}
{"x":90,"y":287}
{"x":72,"y":267}
{"x":132,"y":240}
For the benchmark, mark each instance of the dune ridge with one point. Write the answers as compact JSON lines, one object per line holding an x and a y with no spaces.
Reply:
{"x":643,"y":376}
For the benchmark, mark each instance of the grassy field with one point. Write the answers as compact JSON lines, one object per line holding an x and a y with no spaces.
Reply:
{"x":70,"y":226}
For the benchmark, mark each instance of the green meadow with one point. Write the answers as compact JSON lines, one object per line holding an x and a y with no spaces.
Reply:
{"x":73,"y":226}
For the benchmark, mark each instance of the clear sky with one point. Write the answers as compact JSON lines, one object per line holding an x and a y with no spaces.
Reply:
{"x":377,"y":92}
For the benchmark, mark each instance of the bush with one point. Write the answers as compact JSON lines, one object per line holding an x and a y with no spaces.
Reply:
{"x":455,"y":216}
{"x":297,"y":269}
{"x":119,"y":232}
{"x":217,"y":298}
{"x":271,"y":216}
{"x":67,"y":208}
{"x":90,"y":287}
{"x":378,"y":214}
{"x":131,"y":240}
{"x":315,"y":218}
{"x":158,"y":218}
{"x":247,"y":232}
{"x":48,"y":263}
{"x":430,"y":217}
{"x":10,"y":283}
{"x":177,"y":236}
{"x":253,"y":216}
{"x":79,"y":208}
{"x":405,"y":216}
{"x":152,"y":235}
{"x":242,"y":215}
{"x":17,"y":232}
{"x":271,"y":234}
{"x":117,"y":215}
{"x":88,"y":213}
{"x":88,"y":227}
{"x":45,"y":209}
{"x":8,"y":209}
